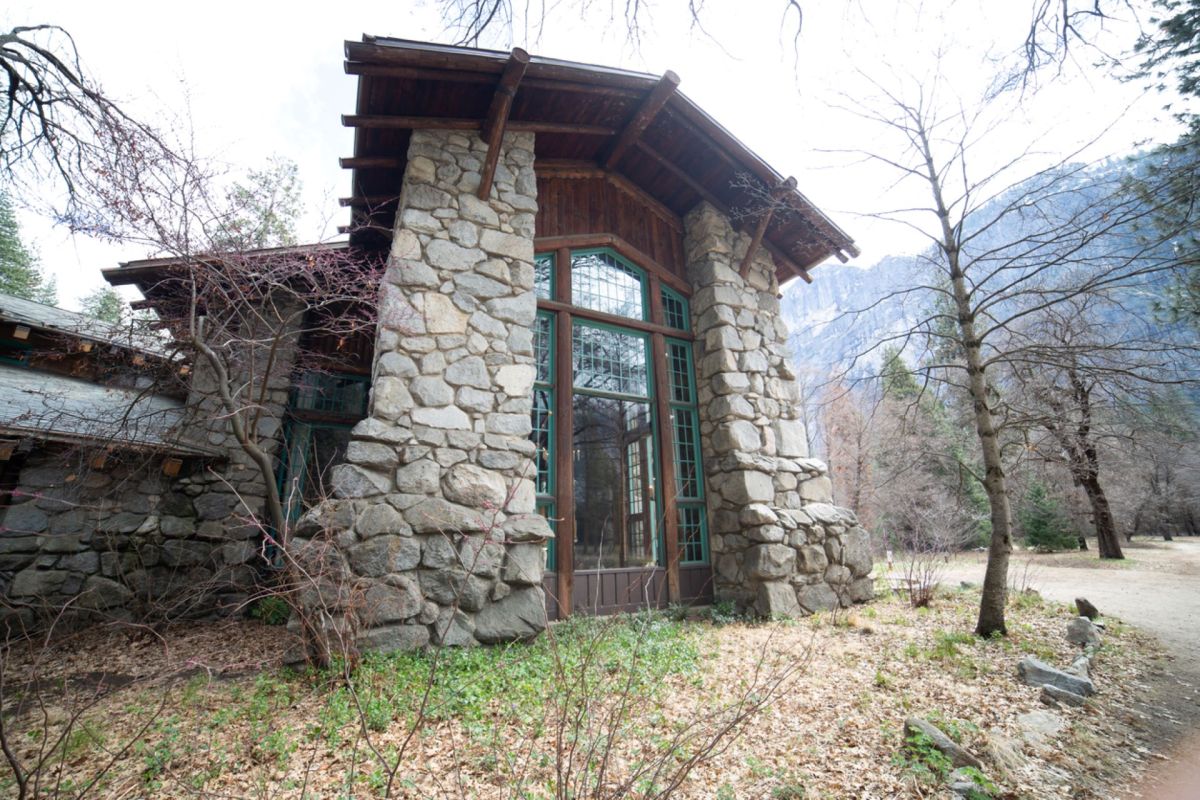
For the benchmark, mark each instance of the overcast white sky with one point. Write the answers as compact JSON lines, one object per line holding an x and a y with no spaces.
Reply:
{"x":261,"y":78}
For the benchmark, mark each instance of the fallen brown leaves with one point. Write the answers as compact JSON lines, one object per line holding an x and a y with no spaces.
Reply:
{"x":834,"y":730}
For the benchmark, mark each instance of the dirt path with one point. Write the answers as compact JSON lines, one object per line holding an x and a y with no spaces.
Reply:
{"x":1156,"y":588}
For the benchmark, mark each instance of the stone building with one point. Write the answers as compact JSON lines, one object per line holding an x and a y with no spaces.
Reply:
{"x":104,"y":506}
{"x":580,"y":399}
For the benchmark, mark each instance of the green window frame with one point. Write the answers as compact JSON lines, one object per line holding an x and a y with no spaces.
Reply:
{"x":614,"y":375}
{"x":675,"y":310}
{"x":692,"y":519}
{"x":543,"y":276}
{"x":603,"y":295}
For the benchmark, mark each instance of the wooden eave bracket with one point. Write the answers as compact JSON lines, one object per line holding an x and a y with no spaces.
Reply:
{"x":760,"y":230}
{"x":654,"y":102}
{"x":497,"y":116}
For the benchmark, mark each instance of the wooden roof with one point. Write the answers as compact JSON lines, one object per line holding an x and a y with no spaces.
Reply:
{"x":585,"y":116}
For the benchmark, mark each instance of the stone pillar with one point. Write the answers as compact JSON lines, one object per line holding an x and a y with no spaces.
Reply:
{"x":436,"y":522}
{"x":779,"y":547}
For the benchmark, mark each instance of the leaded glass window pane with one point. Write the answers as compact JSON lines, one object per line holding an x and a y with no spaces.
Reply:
{"x":543,"y":276}
{"x":602,"y":282}
{"x":691,"y":533}
{"x":543,"y":438}
{"x":543,"y":337}
{"x":687,"y":453}
{"x":675,"y":310}
{"x":679,"y":372}
{"x":608,"y":360}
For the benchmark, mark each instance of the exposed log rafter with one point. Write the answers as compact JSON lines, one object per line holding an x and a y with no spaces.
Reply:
{"x":764,"y":219}
{"x":641,"y":119}
{"x":497,"y":116}
{"x":781,"y":259}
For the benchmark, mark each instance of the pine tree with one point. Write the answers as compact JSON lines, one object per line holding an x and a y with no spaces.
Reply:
{"x":19,"y":273}
{"x":1046,"y":526}
{"x":104,"y":303}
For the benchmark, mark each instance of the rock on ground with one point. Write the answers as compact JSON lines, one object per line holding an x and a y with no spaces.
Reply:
{"x":958,"y":755}
{"x":1038,"y":673}
{"x":1085,"y":608}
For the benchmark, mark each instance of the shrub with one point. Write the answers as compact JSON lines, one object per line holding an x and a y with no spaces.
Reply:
{"x":272,"y":610}
{"x":1046,"y":527}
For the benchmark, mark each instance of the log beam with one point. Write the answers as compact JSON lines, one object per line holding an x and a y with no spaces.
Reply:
{"x":764,"y":219}
{"x":367,"y":202}
{"x":641,"y":119}
{"x":399,"y":122}
{"x":497,"y":116}
{"x":371,"y":162}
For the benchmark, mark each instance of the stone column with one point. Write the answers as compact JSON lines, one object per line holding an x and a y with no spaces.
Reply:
{"x":779,"y":546}
{"x":436,"y":519}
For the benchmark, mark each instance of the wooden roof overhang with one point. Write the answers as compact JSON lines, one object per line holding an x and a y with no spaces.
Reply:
{"x":585,"y":117}
{"x":163,"y":280}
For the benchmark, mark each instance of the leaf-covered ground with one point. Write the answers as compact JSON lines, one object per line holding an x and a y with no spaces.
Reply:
{"x":206,"y":710}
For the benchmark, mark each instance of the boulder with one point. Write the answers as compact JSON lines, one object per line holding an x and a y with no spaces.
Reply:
{"x":394,"y":637}
{"x":769,"y":561}
{"x":1038,"y":673}
{"x":818,"y":597}
{"x":777,"y":599}
{"x":474,"y":487}
{"x":1082,"y":632}
{"x":1039,"y":727}
{"x":520,"y":615}
{"x":1054,"y":697}
{"x":957,"y":754}
{"x":962,"y":782}
{"x":1085,"y":608}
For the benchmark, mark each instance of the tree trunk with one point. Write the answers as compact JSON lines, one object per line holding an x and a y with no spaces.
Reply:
{"x":995,"y":483}
{"x":1107,"y":541}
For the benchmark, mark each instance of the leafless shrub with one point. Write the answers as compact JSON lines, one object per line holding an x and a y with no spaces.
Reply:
{"x":929,"y":533}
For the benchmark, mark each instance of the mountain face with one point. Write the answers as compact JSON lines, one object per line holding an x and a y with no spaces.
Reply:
{"x":848,"y":309}
{"x":1054,"y":232}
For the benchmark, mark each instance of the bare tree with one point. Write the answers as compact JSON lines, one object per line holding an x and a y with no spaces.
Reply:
{"x":1004,"y":251}
{"x":58,"y":124}
{"x":1081,"y":369}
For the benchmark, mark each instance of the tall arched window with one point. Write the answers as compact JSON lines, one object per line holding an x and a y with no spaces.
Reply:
{"x":614,"y":418}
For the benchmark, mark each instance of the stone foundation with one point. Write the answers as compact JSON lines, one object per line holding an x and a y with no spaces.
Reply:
{"x":434,"y":535}
{"x":779,"y":547}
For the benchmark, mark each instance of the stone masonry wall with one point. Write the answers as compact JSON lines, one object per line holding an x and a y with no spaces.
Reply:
{"x":123,"y":541}
{"x":435,"y":530}
{"x":779,"y":546}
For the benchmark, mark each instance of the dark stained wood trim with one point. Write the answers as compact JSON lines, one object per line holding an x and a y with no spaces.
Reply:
{"x":666,"y":460}
{"x":374,"y":70}
{"x":612,"y":319}
{"x":782,"y":260}
{"x":497,"y":117}
{"x":621,"y":246}
{"x":371,"y":162}
{"x":368,"y":69}
{"x":398,"y":122}
{"x":564,"y":463}
{"x":764,"y":220}
{"x":373,"y":201}
{"x":449,"y":58}
{"x":562,"y":274}
{"x":381,"y":230}
{"x":641,"y":119}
